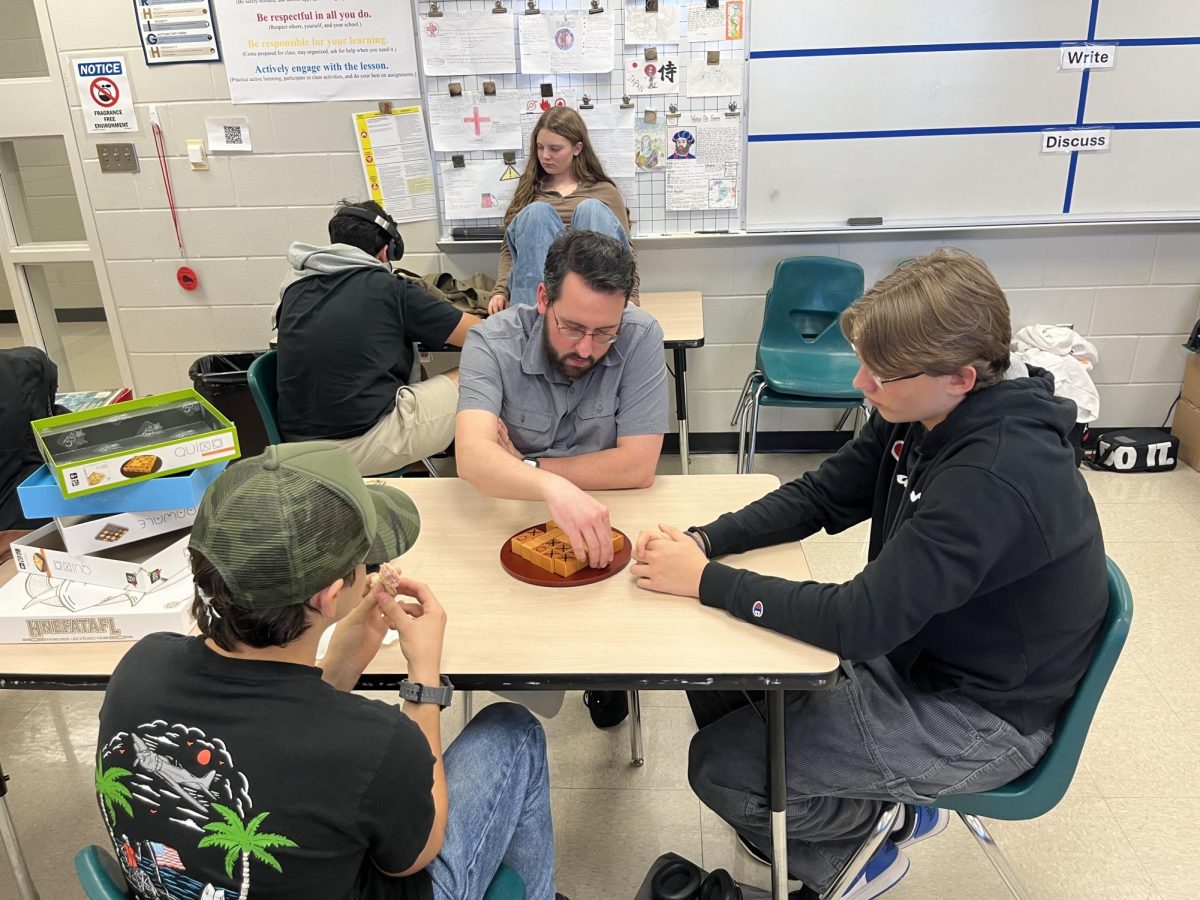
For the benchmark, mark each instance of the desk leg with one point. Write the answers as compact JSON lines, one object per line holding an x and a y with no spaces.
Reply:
{"x":681,"y":404}
{"x":777,"y":788}
{"x":8,"y":836}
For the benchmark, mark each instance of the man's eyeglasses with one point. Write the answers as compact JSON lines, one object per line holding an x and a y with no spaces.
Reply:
{"x":574,"y":333}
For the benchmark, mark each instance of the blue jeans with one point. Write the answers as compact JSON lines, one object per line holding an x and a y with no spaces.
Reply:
{"x":870,"y":739}
{"x":499,"y":788}
{"x":532,"y":231}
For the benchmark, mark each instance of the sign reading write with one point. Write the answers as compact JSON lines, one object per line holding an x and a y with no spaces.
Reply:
{"x":1087,"y":56}
{"x":296,"y":50}
{"x":1082,"y":140}
{"x":105,"y":95}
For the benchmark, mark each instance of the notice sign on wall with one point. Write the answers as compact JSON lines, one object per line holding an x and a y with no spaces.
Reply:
{"x":281,"y":51}
{"x":105,"y":95}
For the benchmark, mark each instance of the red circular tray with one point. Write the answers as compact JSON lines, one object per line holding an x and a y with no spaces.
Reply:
{"x":524,"y":570}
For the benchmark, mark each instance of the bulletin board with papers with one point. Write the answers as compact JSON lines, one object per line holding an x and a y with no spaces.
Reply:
{"x":675,"y":147}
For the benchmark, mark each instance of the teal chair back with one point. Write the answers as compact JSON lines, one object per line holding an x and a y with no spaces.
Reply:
{"x":801,"y":349}
{"x":265,"y":390}
{"x":1039,"y":790}
{"x":100,"y":875}
{"x":102,"y":879}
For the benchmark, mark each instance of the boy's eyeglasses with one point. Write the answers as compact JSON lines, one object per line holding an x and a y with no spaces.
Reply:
{"x":880,"y":382}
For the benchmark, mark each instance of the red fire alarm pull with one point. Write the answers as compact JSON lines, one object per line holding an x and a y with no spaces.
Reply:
{"x":187,"y":278}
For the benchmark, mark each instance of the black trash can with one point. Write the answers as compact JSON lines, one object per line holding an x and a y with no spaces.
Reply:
{"x":221,"y":379}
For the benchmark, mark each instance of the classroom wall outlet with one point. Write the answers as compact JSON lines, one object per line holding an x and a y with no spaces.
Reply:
{"x":118,"y":158}
{"x":197,"y":155}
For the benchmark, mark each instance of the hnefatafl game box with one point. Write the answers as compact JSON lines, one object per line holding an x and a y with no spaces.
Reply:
{"x":100,"y":449}
{"x":38,"y":609}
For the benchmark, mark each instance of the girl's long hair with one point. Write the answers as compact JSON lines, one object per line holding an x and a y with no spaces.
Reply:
{"x":568,"y":124}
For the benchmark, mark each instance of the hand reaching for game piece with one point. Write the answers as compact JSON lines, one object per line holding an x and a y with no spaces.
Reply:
{"x":583,"y":518}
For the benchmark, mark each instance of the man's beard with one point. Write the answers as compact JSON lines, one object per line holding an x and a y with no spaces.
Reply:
{"x":571,"y":373}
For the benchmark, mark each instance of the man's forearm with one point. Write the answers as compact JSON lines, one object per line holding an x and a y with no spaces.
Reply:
{"x":604,"y":470}
{"x":496,"y":472}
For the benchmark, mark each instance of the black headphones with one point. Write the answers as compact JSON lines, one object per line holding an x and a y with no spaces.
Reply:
{"x":680,"y":880}
{"x":395,"y":245}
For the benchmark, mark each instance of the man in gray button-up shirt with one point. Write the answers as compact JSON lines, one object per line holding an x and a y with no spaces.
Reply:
{"x":568,"y":396}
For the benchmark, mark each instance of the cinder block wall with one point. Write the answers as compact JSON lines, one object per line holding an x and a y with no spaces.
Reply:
{"x":1135,"y":294}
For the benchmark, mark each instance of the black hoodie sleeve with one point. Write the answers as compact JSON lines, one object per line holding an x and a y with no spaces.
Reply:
{"x":837,"y":496}
{"x":972,"y":533}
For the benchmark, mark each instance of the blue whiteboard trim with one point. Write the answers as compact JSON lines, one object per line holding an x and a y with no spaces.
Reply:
{"x":982,"y":129}
{"x":984,"y":45}
{"x":911,"y":48}
{"x":1070,"y":181}
{"x":1095,"y":13}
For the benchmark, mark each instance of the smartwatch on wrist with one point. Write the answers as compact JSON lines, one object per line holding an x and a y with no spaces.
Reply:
{"x":423,"y":693}
{"x":531,"y":462}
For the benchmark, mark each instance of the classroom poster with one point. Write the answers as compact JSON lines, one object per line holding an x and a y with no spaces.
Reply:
{"x":469,"y":43}
{"x":292,"y":51}
{"x":396,"y":162}
{"x":702,"y":167}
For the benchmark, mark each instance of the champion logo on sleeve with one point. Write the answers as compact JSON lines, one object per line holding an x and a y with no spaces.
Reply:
{"x":757,"y":609}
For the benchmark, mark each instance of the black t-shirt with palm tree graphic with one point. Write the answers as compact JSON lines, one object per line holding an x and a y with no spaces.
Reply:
{"x":223,"y":778}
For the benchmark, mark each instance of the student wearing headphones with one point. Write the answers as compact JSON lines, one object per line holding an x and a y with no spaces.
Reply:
{"x":347,"y":327}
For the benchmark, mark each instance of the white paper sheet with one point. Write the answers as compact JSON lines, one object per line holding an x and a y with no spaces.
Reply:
{"x":659,"y":76}
{"x":702,"y":169}
{"x":725,"y":23}
{"x":649,"y":147}
{"x":660,"y":27}
{"x":396,"y":162}
{"x":228,"y":135}
{"x":560,"y":43}
{"x":610,"y":130}
{"x":720,"y":80}
{"x":458,"y":43}
{"x":475,"y":121}
{"x":480,"y":189}
{"x":535,"y":106}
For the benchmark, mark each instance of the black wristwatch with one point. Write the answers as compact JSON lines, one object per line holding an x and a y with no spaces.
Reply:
{"x":423,"y":693}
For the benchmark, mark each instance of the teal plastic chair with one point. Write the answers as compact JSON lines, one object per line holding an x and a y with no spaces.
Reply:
{"x":802,"y":359}
{"x":264,"y":388}
{"x":1041,"y":788}
{"x":102,"y":879}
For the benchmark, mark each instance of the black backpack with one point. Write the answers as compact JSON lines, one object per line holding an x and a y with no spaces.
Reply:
{"x":1134,"y":450}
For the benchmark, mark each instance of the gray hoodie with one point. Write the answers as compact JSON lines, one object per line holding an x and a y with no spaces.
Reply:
{"x":308,"y":260}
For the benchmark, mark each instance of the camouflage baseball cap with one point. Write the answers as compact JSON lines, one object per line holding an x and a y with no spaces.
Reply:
{"x":281,"y":526}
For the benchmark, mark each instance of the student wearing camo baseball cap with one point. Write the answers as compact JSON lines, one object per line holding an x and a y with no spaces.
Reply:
{"x":252,"y":760}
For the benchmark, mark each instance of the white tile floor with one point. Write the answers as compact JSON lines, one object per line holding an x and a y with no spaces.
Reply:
{"x":1122,"y":831}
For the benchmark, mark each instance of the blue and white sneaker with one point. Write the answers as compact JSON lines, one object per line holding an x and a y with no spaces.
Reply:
{"x":882,"y":872}
{"x":921,"y":822}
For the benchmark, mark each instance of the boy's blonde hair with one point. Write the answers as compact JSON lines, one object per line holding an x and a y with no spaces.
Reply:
{"x":935,"y":314}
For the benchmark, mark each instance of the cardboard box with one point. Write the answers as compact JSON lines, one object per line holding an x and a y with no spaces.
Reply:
{"x":41,"y":498}
{"x":35,"y":609}
{"x":1191,"y":379}
{"x":1187,"y":429}
{"x":138,"y":567}
{"x":99,"y":449}
{"x":95,"y":534}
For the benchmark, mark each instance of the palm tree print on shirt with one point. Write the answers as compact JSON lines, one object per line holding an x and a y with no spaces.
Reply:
{"x":245,"y":839}
{"x":112,"y":794}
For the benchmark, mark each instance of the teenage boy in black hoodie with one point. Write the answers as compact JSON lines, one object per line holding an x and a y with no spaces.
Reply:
{"x":975,"y":617}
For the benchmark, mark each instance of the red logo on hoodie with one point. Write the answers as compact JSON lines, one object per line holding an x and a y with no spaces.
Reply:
{"x":897,"y":449}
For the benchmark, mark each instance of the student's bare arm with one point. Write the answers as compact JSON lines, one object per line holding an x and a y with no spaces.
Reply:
{"x":465,"y":324}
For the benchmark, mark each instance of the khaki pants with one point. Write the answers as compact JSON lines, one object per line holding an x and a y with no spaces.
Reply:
{"x":421,"y":424}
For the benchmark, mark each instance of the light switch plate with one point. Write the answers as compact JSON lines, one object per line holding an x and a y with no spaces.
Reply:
{"x":118,"y":158}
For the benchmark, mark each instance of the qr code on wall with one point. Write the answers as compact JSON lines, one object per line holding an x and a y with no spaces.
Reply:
{"x":233,"y":134}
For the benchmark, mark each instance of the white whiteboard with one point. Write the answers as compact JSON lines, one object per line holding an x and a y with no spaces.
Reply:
{"x":932,"y":113}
